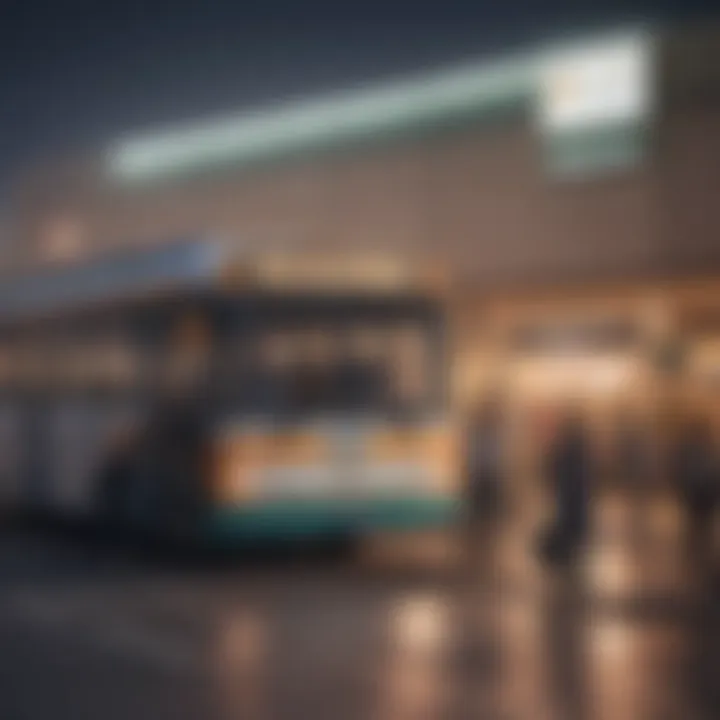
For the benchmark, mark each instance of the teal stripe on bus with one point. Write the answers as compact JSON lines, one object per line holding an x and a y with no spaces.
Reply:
{"x":289,"y":518}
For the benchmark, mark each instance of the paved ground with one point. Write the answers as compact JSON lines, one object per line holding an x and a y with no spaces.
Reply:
{"x":635,"y":635}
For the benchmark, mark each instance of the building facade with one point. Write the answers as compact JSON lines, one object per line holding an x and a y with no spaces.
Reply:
{"x":458,"y":163}
{"x":570,"y":181}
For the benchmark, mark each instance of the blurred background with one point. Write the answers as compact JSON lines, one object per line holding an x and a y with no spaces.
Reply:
{"x":436,"y":287}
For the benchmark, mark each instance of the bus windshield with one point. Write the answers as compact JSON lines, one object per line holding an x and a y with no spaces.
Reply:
{"x":318,"y":369}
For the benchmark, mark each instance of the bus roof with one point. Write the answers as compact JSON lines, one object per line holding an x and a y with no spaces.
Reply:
{"x":191,"y":265}
{"x":116,"y":276}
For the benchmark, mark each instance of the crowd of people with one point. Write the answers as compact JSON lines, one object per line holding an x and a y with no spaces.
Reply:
{"x":571,"y":470}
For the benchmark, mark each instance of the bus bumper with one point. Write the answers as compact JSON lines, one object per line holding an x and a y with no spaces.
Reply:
{"x":285,"y":519}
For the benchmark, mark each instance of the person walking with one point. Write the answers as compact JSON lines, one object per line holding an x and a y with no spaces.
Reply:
{"x":697,"y":468}
{"x":568,"y":469}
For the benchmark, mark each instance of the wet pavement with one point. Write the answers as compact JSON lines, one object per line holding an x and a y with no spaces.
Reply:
{"x":634,"y":633}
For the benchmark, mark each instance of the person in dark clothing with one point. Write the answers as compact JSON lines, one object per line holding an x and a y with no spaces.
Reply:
{"x":483,"y":479}
{"x":568,"y":469}
{"x":697,"y":469}
{"x":485,"y":472}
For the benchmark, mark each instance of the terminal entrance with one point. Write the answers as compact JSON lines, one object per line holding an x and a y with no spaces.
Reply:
{"x":608,"y":391}
{"x":592,"y":364}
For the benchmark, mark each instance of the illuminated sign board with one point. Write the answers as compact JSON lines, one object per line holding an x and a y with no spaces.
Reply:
{"x":593,"y":83}
{"x":594,"y":102}
{"x":340,"y":118}
{"x":599,"y":83}
{"x":580,"y":336}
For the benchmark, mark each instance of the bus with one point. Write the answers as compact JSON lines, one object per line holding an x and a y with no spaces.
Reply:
{"x":191,"y":394}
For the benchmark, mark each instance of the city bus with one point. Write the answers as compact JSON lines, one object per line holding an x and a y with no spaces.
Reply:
{"x":188,"y":393}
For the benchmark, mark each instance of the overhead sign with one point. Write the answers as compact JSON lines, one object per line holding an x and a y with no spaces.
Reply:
{"x":581,"y":336}
{"x":594,"y":103}
{"x":472,"y":90}
{"x":585,"y":85}
{"x":594,"y":84}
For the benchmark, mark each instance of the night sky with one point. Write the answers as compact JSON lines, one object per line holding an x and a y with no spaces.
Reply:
{"x":78,"y":73}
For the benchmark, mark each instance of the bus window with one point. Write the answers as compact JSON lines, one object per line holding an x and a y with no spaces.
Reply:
{"x":332,"y":368}
{"x":30,"y":363}
{"x":71,"y":367}
{"x":266,"y":376}
{"x":310,"y":357}
{"x":5,"y":366}
{"x":77,"y":364}
{"x":56,"y":346}
{"x":185,"y":358}
{"x":118,"y":363}
{"x":90,"y":356}
{"x":410,"y":366}
{"x":361,"y":372}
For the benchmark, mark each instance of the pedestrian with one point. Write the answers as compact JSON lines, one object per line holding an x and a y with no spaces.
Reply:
{"x":568,"y":469}
{"x":485,"y":466}
{"x":697,"y":468}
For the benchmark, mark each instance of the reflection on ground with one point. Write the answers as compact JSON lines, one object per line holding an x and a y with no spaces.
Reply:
{"x":634,"y":633}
